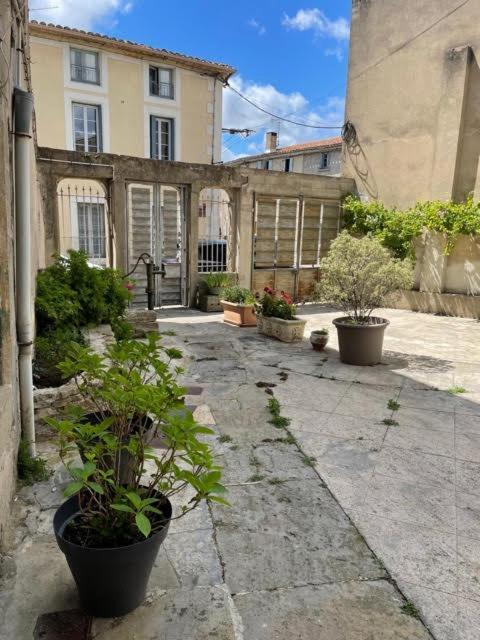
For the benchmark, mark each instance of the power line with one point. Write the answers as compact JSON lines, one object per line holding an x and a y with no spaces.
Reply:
{"x":273,"y":115}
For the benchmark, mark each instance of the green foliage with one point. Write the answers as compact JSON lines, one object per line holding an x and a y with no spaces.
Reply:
{"x":70,"y":295}
{"x":31,"y":469}
{"x":409,"y":609}
{"x":275,"y":305}
{"x":123,"y":479}
{"x":71,"y":291}
{"x":51,"y":347}
{"x":358,"y":274}
{"x":456,"y":390}
{"x":219,"y":280}
{"x":238,"y":295}
{"x":390,"y":422}
{"x":397,"y":229}
{"x":277,"y":420}
{"x":393,"y":405}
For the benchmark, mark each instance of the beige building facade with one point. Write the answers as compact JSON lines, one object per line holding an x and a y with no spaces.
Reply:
{"x":317,"y":157}
{"x":413,"y":99}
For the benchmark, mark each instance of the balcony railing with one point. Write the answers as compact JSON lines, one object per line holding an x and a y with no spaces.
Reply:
{"x":81,"y":73}
{"x":162,"y":89}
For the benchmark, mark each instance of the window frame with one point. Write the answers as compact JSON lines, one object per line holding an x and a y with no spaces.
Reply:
{"x":158,"y":69}
{"x":98,"y":109}
{"x":89,"y":237}
{"x":288,"y":162}
{"x":324,"y":161}
{"x":171,"y":146}
{"x":98,"y":80}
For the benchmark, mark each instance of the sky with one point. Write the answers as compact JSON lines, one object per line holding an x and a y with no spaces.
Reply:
{"x":291,"y":56}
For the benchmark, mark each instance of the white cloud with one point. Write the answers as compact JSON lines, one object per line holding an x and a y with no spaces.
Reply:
{"x":336,"y":52}
{"x":239,"y":114}
{"x":81,"y":14}
{"x":316,"y":21}
{"x":259,"y":28}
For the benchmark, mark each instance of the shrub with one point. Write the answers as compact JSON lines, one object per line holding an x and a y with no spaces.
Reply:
{"x":51,"y":347}
{"x":397,"y":229}
{"x":238,"y":295}
{"x":117,"y":510}
{"x":275,"y":305}
{"x":358,"y":274}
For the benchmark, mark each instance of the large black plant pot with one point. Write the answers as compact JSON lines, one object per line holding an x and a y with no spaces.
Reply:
{"x":111,"y":582}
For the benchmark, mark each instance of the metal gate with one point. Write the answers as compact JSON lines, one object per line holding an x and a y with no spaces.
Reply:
{"x":291,"y":235}
{"x":156,"y":225}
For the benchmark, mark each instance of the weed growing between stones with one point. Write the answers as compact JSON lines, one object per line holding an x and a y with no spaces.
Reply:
{"x":390,"y":422}
{"x":393,"y":405}
{"x":456,"y":390}
{"x":257,"y":477}
{"x":224,"y":438}
{"x":309,"y":460}
{"x":277,"y":420}
{"x":409,"y":609}
{"x":31,"y":469}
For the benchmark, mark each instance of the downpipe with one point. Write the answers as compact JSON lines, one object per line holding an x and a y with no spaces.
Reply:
{"x":23,"y":111}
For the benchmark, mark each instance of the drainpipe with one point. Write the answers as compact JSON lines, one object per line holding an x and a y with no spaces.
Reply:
{"x":23,"y":111}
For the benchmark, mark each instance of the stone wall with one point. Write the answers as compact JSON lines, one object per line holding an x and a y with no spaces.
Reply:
{"x":413,"y":95}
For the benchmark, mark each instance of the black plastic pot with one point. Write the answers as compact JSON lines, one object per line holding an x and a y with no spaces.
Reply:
{"x":127,"y":470}
{"x":110,"y":582}
{"x":361,"y":344}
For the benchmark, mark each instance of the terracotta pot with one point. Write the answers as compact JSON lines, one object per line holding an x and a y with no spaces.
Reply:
{"x":240,"y":315}
{"x":319,"y":340}
{"x":284,"y":330}
{"x":361,"y":344}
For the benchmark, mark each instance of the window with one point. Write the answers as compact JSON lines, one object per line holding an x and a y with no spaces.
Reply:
{"x":86,"y":127}
{"x":324,"y":161}
{"x":266,"y":164}
{"x":161,"y":138}
{"x":288,"y":164}
{"x":202,"y":210}
{"x":84,"y":66}
{"x":161,"y":82}
{"x":91,"y":229}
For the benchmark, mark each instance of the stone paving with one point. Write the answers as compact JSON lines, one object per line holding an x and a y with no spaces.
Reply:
{"x":327,"y":518}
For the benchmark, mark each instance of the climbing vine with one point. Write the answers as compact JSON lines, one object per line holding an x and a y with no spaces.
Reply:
{"x":396,"y":229}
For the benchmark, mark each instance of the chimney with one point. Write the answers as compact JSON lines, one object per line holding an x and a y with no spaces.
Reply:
{"x":271,"y":141}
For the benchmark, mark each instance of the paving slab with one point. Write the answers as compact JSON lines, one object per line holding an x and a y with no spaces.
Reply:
{"x":353,"y":611}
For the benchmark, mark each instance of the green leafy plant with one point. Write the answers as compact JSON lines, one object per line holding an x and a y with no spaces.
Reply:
{"x":31,"y":469}
{"x":275,"y":305}
{"x":219,"y":280}
{"x":390,"y":422}
{"x":71,"y":295}
{"x":123,"y":482}
{"x":238,"y":295}
{"x":321,"y":332}
{"x":396,"y":229}
{"x":358,"y":274}
{"x":51,"y":347}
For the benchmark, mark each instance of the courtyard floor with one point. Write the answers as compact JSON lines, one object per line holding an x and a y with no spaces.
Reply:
{"x":341,"y":526}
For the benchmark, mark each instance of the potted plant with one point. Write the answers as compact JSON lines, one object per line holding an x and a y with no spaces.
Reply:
{"x":357,"y":275}
{"x":319,"y":339}
{"x":217,"y":281}
{"x":276,"y":316}
{"x":118,"y":511}
{"x":238,"y":307}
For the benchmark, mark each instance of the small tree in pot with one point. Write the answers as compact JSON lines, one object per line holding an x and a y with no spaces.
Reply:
{"x":118,"y":510}
{"x":357,"y":275}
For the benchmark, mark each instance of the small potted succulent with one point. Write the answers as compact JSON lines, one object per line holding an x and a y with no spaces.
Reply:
{"x":238,"y":307}
{"x":276,"y":316}
{"x":319,"y":339}
{"x":357,"y":275}
{"x":139,"y":447}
